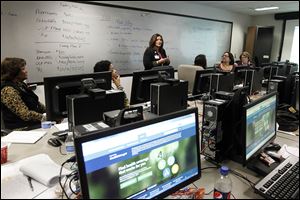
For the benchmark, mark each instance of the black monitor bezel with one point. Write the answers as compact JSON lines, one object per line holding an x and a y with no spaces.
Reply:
{"x":51,"y":82}
{"x":244,"y":124}
{"x":198,"y":76}
{"x":136,"y":78}
{"x":94,"y":135}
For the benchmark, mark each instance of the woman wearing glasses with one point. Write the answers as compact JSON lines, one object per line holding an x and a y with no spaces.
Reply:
{"x":227,"y":64}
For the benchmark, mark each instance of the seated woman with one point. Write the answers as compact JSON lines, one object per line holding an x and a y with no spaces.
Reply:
{"x":227,"y":64}
{"x":200,"y":60}
{"x":245,"y":60}
{"x":106,"y":65}
{"x":20,"y":106}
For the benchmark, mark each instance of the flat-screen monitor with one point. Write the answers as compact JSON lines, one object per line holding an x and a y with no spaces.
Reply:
{"x":58,"y":87}
{"x":188,"y":73}
{"x":260,"y":124}
{"x":202,"y":81}
{"x":222,"y":82}
{"x":251,"y":77}
{"x":141,"y":81}
{"x":269,"y":72}
{"x":141,"y":160}
{"x":285,"y":68}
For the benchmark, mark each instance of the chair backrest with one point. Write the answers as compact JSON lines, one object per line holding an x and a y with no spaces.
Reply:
{"x":188,"y":72}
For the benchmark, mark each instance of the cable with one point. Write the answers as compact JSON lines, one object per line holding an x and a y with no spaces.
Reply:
{"x":232,"y":195}
{"x":209,"y":192}
{"x":195,"y":185}
{"x":70,"y":185}
{"x":64,"y":187}
{"x":59,"y":180}
{"x":243,"y":177}
{"x":209,"y":168}
{"x":61,"y":151}
{"x":212,"y":161}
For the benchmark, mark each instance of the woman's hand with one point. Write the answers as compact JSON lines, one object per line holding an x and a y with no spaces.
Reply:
{"x":116,"y":78}
{"x":163,"y":60}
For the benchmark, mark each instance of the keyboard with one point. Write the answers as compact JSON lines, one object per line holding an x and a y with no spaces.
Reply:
{"x":282,"y":182}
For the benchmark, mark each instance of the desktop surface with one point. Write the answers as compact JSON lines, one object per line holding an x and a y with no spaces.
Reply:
{"x":241,"y":189}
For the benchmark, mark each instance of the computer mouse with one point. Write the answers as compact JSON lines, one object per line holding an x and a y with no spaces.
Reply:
{"x":54,"y":142}
{"x":273,"y":147}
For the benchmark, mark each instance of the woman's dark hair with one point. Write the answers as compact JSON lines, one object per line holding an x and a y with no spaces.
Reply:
{"x":231,"y":62}
{"x":102,"y":66}
{"x":11,"y":67}
{"x":200,"y":60}
{"x":153,"y":40}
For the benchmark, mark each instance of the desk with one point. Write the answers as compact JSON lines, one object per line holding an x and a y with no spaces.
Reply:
{"x":17,"y":152}
{"x":241,"y":188}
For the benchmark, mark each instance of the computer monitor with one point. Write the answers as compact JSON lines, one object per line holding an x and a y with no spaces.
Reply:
{"x":188,"y":73}
{"x":259,"y":125}
{"x":58,"y":87}
{"x":202,"y":81}
{"x":141,"y":81}
{"x":251,"y":77}
{"x":269,"y":72}
{"x":222,"y":82}
{"x":145,"y":159}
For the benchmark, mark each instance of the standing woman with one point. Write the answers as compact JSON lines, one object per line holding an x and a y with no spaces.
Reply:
{"x":155,"y":55}
{"x":20,"y":106}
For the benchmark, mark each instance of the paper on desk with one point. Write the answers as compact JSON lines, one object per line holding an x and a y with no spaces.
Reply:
{"x":62,"y":126}
{"x":286,"y":151}
{"x":29,"y":137}
{"x":17,"y":187}
{"x":14,"y":185}
{"x":42,"y":168}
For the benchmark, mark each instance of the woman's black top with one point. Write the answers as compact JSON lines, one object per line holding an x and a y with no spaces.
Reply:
{"x":151,"y":56}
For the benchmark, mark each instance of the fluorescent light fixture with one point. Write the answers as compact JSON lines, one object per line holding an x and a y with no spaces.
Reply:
{"x":266,"y":8}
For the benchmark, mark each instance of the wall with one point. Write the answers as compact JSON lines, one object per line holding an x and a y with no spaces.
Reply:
{"x":239,"y":30}
{"x":288,"y":39}
{"x":269,"y":20}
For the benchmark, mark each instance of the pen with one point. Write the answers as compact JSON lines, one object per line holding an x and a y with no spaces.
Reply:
{"x":30,"y":183}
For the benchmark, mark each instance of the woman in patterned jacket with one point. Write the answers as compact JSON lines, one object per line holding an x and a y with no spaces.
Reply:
{"x":20,"y":106}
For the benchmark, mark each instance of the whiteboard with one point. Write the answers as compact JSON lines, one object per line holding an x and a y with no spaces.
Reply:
{"x":64,"y":38}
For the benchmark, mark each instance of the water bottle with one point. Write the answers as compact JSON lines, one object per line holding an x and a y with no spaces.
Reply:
{"x":223,"y":185}
{"x":70,"y":149}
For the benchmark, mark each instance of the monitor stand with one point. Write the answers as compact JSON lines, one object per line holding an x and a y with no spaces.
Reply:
{"x":260,"y":167}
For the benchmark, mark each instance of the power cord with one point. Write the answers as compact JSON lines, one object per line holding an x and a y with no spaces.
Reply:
{"x":243,"y":177}
{"x":72,"y":159}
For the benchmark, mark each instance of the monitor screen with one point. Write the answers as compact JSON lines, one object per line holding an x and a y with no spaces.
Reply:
{"x":58,"y":87}
{"x":141,"y":81}
{"x":260,"y":123}
{"x":141,"y":160}
{"x":202,"y":81}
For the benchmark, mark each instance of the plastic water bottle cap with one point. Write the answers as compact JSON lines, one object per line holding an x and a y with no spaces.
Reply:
{"x":224,"y":170}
